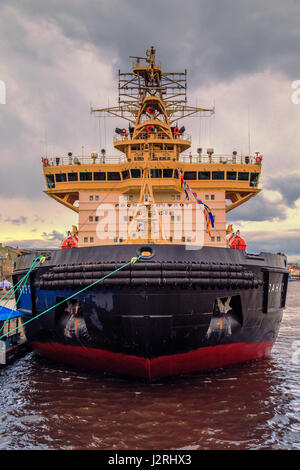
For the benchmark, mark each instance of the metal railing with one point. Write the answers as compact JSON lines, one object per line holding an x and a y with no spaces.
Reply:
{"x":117,"y":159}
{"x":235,"y":159}
{"x":86,"y":160}
{"x":152,"y":136}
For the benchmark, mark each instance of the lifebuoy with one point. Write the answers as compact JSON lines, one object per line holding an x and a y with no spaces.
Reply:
{"x":45,"y":161}
{"x":176,"y":130}
{"x":150,"y":129}
{"x":258,"y":159}
{"x":150,"y":110}
{"x":70,"y":242}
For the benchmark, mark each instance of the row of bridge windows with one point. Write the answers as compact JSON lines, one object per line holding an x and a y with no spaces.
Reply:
{"x":155,"y":173}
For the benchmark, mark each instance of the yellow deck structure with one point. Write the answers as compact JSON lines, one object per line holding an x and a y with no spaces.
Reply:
{"x":152,"y":150}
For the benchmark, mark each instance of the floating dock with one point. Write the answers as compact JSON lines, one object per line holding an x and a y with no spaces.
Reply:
{"x":13,"y":343}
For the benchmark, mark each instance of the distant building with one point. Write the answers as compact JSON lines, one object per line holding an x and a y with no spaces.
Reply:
{"x":294,"y":269}
{"x":7,"y":257}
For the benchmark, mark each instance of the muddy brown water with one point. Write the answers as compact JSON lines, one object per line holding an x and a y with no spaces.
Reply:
{"x":256,"y":405}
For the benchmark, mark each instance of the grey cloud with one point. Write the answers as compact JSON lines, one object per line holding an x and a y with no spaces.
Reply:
{"x":31,"y":244}
{"x":215,"y":40}
{"x":257,"y":209}
{"x":20,"y":221}
{"x":274,"y":243}
{"x":54,"y":235}
{"x":288,"y":186}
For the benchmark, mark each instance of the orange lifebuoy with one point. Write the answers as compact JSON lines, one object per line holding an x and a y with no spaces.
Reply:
{"x":124,"y":131}
{"x":150,"y":129}
{"x":258,"y":159}
{"x":45,"y":161}
{"x":150,"y":110}
{"x":176,"y":130}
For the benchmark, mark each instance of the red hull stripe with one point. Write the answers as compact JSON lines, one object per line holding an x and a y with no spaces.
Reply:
{"x":206,"y":358}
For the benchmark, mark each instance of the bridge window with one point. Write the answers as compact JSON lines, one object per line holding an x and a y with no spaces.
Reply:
{"x":190,"y":175}
{"x":156,"y":173}
{"x":113,"y":176}
{"x":72,"y":176}
{"x":231,"y":175}
{"x":218,"y":175}
{"x":125,"y":174}
{"x":86,"y":176}
{"x":135,"y":173}
{"x":204,"y":175}
{"x":50,"y":181}
{"x":99,"y":176}
{"x":61,"y":177}
{"x":167,"y":173}
{"x":243,"y":176}
{"x":253,"y":179}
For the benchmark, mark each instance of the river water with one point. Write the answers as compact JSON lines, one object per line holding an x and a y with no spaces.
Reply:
{"x":249,"y":406}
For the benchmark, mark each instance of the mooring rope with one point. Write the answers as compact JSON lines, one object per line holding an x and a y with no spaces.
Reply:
{"x":132,"y":261}
{"x":14,"y":288}
{"x":23,"y":281}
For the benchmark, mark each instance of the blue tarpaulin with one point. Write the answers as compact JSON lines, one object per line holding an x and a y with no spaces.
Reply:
{"x":6,"y":313}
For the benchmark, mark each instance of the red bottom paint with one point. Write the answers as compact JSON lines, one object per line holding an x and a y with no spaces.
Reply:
{"x":206,"y":358}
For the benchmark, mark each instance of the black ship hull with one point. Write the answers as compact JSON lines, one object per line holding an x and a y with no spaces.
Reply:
{"x":176,"y":311}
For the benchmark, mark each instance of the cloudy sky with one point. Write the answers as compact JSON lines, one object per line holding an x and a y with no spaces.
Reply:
{"x":61,"y":56}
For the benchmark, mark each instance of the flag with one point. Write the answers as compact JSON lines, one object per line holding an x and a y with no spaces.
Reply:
{"x":209,"y":218}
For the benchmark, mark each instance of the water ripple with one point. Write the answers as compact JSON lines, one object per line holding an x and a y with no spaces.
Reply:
{"x":249,"y":406}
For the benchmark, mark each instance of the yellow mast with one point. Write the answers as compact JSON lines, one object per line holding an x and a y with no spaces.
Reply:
{"x":141,"y":101}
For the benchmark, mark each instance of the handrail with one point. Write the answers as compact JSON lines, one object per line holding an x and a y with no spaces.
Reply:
{"x":86,"y":160}
{"x":218,"y":158}
{"x":117,"y":159}
{"x":152,"y":136}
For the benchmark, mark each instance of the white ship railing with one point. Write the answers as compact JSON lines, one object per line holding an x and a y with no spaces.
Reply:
{"x":117,"y":159}
{"x":218,"y":158}
{"x":87,"y":160}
